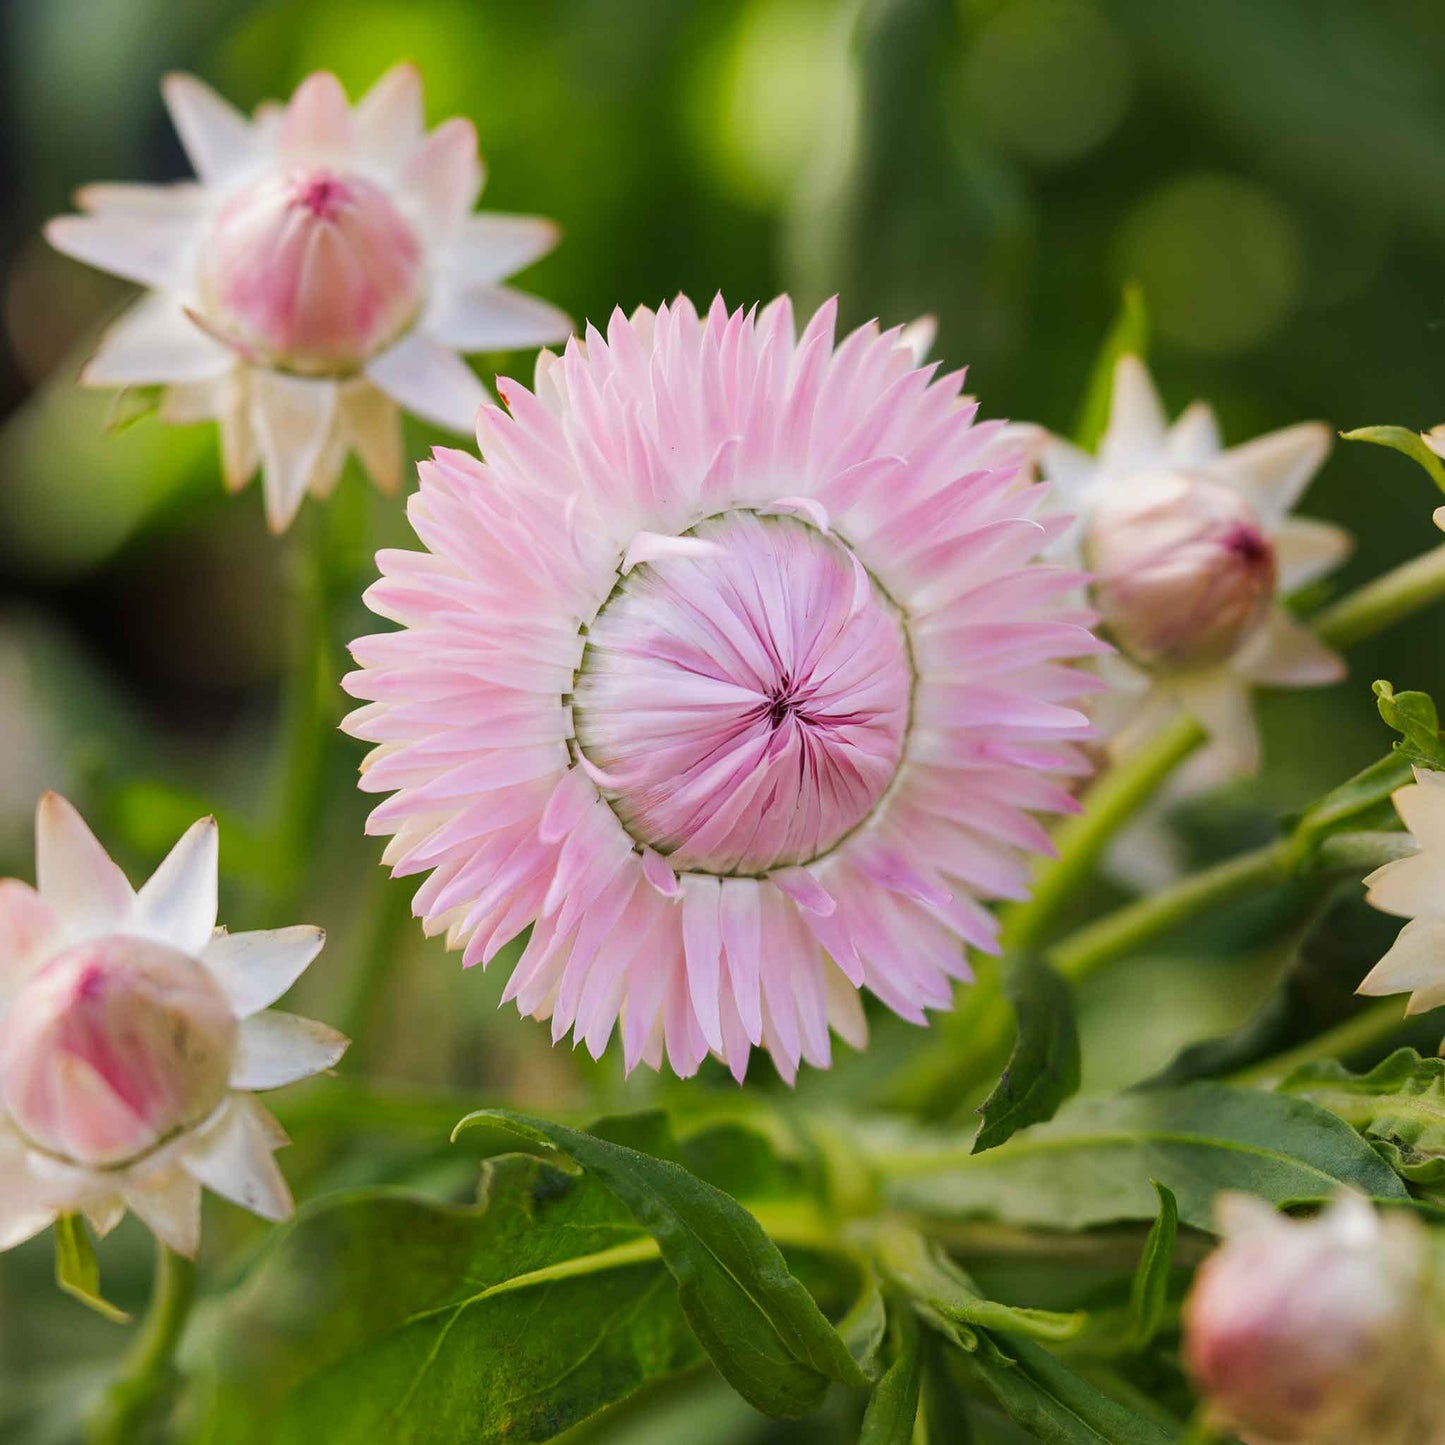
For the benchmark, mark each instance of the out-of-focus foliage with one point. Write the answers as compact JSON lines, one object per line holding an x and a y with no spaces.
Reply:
{"x":1260,"y":168}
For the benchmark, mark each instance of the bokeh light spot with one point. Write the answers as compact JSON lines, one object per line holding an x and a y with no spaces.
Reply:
{"x":1219,"y":257}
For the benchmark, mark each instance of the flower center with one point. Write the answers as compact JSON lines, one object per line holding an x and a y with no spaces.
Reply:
{"x":747,"y":705}
{"x":112,"y":1047}
{"x":311,"y":271}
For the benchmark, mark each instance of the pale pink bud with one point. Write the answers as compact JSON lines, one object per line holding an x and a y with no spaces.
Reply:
{"x":310,"y":270}
{"x":1317,"y":1332}
{"x":1183,"y":572}
{"x":112,"y":1047}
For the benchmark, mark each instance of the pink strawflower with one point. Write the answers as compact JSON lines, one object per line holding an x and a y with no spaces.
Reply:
{"x":729,"y":672}
{"x":132,"y":1034}
{"x":322,"y":274}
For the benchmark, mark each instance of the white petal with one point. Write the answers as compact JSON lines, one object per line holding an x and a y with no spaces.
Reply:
{"x":178,"y":904}
{"x":27,"y":1204}
{"x":1438,"y":516}
{"x":318,"y":119}
{"x":1435,"y":439}
{"x":292,"y":418}
{"x":431,"y":380}
{"x":150,"y":250}
{"x":1194,"y":437}
{"x":155,"y":342}
{"x":1136,"y":431}
{"x":1306,"y":549}
{"x":1272,"y":471}
{"x":232,"y":1155}
{"x":1221,"y":704}
{"x":1410,"y":888}
{"x":192,"y":402}
{"x":492,"y":246}
{"x":255,"y":969}
{"x":390,"y":123}
{"x":1421,"y":807}
{"x":27,"y":926}
{"x":217,"y":137}
{"x":1416,"y":960}
{"x":240,"y":455}
{"x":278,"y":1048}
{"x":75,"y":875}
{"x":105,"y":1212}
{"x":181,"y":200}
{"x":1285,"y":653}
{"x":443,"y":177}
{"x":373,"y":427}
{"x":168,"y":1199}
{"x":494,"y":318}
{"x":917,"y":338}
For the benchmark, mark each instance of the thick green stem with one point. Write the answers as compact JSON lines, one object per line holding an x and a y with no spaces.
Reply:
{"x":1390,"y":598}
{"x":148,"y":1374}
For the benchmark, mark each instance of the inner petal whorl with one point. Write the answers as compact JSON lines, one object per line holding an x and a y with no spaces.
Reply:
{"x":749,"y":706}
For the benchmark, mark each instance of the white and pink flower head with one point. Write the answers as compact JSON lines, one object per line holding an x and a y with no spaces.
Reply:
{"x":321,"y":274}
{"x":729,"y":671}
{"x":132,"y":1034}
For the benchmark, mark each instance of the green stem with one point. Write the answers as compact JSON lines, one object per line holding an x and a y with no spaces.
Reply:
{"x":148,"y":1374}
{"x":1390,"y":598}
{"x":1375,"y":1025}
{"x":1108,"y":805}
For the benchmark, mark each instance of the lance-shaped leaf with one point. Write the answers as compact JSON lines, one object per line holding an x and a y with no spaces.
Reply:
{"x":387,"y":1316}
{"x":893,"y":1406}
{"x":1403,"y":440}
{"x":1128,"y":335}
{"x":950,"y":1301}
{"x":77,"y":1271}
{"x":760,"y":1326}
{"x":1095,"y":1161}
{"x":1149,"y":1297}
{"x":1055,"y":1405}
{"x":1399,"y":1106}
{"x":1043,"y":1070}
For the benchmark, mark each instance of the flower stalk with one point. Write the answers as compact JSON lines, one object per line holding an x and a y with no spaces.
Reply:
{"x":148,"y":1375}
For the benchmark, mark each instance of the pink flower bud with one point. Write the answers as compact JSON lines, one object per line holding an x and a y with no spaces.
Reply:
{"x":112,"y":1047}
{"x":310,"y":271}
{"x":1183,"y":572}
{"x":1317,"y":1332}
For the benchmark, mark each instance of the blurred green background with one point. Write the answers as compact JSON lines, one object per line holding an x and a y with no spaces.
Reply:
{"x":1268,"y":170}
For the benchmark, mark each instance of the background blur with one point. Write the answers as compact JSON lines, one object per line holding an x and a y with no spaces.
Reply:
{"x":1268,"y":170}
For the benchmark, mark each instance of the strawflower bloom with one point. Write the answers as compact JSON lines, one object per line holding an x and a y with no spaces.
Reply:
{"x":320,"y":275}
{"x":1414,"y":888}
{"x":1193,"y":550}
{"x":132,"y":1034}
{"x":1324,"y":1331}
{"x":730,"y":672}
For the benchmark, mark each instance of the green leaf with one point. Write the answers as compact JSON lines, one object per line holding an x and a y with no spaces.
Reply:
{"x":893,"y":1406}
{"x":1053,"y":1403}
{"x":1399,"y":1106}
{"x":1361,"y":803}
{"x":760,"y":1326}
{"x":1316,"y":990}
{"x":1043,"y":1070}
{"x":1148,"y":1301}
{"x":386,"y":1316}
{"x":1405,"y":441}
{"x":1128,"y":335}
{"x":1413,"y":715}
{"x":77,"y":1271}
{"x":949,"y":1300}
{"x":1094,"y":1163}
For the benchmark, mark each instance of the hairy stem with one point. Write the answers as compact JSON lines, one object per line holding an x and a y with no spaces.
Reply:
{"x":148,"y":1375}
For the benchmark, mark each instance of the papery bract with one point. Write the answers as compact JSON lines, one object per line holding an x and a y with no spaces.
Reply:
{"x":321,"y":274}
{"x":731,"y":672}
{"x":1199,"y":625}
{"x":1318,"y":1332}
{"x":132,"y":1035}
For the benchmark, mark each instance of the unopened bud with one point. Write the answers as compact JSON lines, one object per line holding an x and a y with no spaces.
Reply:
{"x":311,"y":271}
{"x":112,"y":1047}
{"x":1318,"y":1332}
{"x":1183,"y":572}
